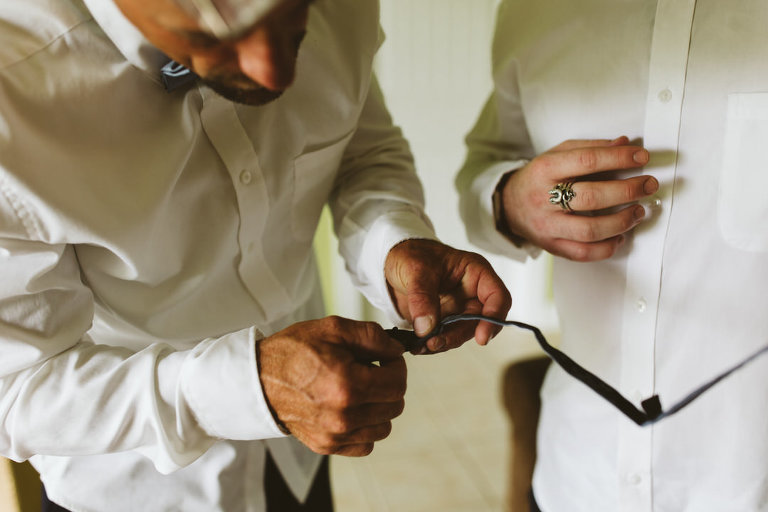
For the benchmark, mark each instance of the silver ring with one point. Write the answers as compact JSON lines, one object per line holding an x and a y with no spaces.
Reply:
{"x":562,"y":195}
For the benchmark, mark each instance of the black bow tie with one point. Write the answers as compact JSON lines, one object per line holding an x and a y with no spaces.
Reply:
{"x":175,"y":75}
{"x":652,"y":410}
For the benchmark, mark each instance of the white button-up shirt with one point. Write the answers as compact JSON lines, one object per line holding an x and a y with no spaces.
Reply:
{"x":686,"y":296}
{"x":148,"y":239}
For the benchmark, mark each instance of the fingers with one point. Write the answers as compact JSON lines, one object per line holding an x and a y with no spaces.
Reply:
{"x":496,"y":301}
{"x":319,"y":382}
{"x":599,"y":195}
{"x":589,"y":143}
{"x":366,"y":340}
{"x":422,"y":298}
{"x":565,"y":165}
{"x":356,"y":444}
{"x":414,"y":270}
{"x":370,"y":383}
{"x":431,"y":280}
{"x":579,"y":228}
{"x":345,"y":425}
{"x":487,"y":295}
{"x":582,"y":251}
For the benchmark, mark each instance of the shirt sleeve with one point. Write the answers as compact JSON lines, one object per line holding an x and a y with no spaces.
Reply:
{"x":61,"y":394}
{"x":499,"y":143}
{"x":377,"y":201}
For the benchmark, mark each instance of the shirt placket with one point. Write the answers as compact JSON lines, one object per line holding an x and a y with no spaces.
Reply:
{"x":226,"y":133}
{"x":668,"y":64}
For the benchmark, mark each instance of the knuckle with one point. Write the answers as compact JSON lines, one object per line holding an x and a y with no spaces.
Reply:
{"x":338,"y":393}
{"x":338,"y":424}
{"x":588,"y":159}
{"x":580,"y":253}
{"x":542,"y":163}
{"x":342,"y":397}
{"x":334,"y":322}
{"x":322,"y":444}
{"x":588,"y":232}
{"x":627,"y":219}
{"x":372,"y":330}
{"x":540,"y":224}
{"x":329,"y":443}
{"x":588,"y":198}
{"x":627,"y":222}
{"x":628,"y":193}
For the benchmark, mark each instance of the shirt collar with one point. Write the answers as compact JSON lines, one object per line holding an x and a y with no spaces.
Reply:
{"x":128,"y":39}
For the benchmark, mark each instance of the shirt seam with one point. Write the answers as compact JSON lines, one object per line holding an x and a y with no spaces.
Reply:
{"x":41,"y":49}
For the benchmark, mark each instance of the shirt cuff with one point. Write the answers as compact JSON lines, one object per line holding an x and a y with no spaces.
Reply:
{"x":385,"y":233}
{"x":221,"y":383}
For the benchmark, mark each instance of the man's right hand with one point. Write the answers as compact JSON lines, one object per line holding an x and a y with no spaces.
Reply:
{"x":574,"y":235}
{"x":319,"y":381}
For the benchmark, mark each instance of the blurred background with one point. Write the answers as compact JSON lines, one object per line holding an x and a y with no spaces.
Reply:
{"x":451,"y":449}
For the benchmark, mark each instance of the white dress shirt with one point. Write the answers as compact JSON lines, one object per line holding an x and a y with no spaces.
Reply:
{"x":148,"y":239}
{"x":686,"y":296}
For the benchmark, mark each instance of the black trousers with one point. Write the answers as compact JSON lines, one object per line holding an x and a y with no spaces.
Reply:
{"x":279,"y":496}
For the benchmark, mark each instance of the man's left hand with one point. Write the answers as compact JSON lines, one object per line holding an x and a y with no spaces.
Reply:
{"x":429,"y":280}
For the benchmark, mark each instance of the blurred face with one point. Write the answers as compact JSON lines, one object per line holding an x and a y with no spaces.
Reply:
{"x":253,"y":68}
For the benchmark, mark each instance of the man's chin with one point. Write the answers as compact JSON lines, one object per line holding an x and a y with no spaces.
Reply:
{"x":254,"y":97}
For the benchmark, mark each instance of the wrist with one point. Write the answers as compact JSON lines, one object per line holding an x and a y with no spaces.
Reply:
{"x":500,"y":214}
{"x":283,"y":428}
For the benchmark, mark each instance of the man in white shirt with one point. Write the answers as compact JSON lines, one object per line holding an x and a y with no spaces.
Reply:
{"x":161,"y":329}
{"x":653,"y":306}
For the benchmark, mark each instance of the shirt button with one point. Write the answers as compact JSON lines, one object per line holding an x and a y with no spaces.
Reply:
{"x":634,"y":479}
{"x":246,"y":177}
{"x":665,"y":96}
{"x":641,"y":305}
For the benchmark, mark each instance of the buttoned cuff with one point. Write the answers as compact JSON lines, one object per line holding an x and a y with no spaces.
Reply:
{"x":388,"y":231}
{"x":484,"y":226}
{"x":221,"y":383}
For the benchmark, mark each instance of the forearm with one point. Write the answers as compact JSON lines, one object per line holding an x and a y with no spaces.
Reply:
{"x":169,"y":405}
{"x":378,"y":200}
{"x":63,"y":393}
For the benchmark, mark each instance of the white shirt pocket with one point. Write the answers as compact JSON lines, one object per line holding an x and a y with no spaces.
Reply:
{"x":743,"y":193}
{"x":314,"y":174}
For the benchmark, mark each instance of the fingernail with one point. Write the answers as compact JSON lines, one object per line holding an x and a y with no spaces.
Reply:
{"x":423,"y":325}
{"x":641,"y":156}
{"x":619,"y":140}
{"x":639,"y":213}
{"x":651,"y":185}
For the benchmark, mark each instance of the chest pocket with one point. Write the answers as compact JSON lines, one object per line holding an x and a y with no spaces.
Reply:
{"x":314,"y":174}
{"x":743,"y":193}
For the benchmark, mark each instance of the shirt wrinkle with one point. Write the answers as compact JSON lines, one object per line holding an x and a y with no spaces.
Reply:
{"x":180,"y":243}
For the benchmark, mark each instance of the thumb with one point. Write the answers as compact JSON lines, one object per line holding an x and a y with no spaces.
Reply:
{"x":423,"y":306}
{"x":369,"y":342}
